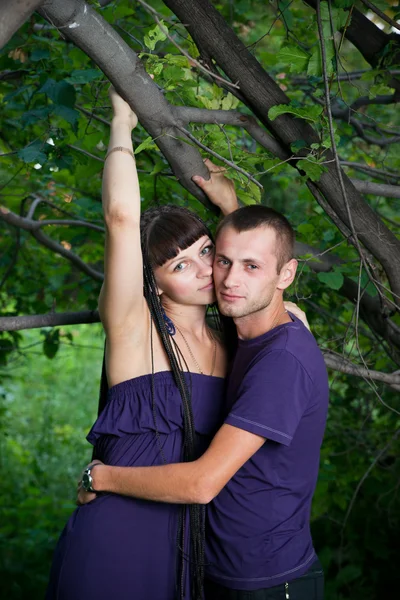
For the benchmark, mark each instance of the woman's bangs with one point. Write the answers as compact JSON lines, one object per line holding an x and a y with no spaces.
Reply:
{"x":172,"y":233}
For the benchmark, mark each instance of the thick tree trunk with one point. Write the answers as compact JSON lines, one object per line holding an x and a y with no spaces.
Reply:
{"x":13,"y":14}
{"x":213,"y":35}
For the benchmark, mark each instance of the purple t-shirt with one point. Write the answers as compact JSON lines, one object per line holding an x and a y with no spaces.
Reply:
{"x":258,"y":526}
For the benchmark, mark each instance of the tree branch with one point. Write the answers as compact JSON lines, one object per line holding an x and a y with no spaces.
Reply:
{"x":333,"y":361}
{"x":338,"y":363}
{"x":34,"y":228}
{"x":90,"y":32}
{"x":16,"y":323}
{"x":14,"y":14}
{"x":377,"y":189}
{"x":219,"y":157}
{"x":188,"y":114}
{"x":377,"y":173}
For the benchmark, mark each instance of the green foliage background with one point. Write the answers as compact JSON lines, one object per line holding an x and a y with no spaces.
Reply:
{"x":53,"y":140}
{"x":46,"y":408}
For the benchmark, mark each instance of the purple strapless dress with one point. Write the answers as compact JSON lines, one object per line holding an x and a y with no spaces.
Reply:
{"x":120,"y":548}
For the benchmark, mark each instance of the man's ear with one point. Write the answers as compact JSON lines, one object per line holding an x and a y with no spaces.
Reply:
{"x":287,"y":274}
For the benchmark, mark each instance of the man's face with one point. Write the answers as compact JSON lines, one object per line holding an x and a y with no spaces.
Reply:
{"x":245,"y":271}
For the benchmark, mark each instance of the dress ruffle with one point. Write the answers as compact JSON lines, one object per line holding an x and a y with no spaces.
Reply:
{"x":130,"y":410}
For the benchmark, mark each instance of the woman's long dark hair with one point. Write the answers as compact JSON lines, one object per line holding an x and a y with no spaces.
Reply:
{"x":165,"y":231}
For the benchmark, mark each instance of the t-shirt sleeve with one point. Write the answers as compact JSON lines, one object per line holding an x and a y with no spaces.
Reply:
{"x":272,"y":397}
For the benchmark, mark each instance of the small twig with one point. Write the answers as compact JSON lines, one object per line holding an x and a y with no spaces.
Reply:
{"x":74,"y":223}
{"x":228,"y":143}
{"x":93,"y":115}
{"x":377,"y":173}
{"x":364,"y":477}
{"x":190,"y":58}
{"x":85,"y":152}
{"x":381,"y":14}
{"x":343,"y":76}
{"x":219,"y":157}
{"x":38,"y":200}
{"x":354,"y":238}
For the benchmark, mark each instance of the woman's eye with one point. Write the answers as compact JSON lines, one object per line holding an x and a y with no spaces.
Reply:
{"x":207,"y":250}
{"x":179,"y":267}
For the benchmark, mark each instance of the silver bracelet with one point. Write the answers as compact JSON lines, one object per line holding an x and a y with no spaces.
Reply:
{"x":120,"y":149}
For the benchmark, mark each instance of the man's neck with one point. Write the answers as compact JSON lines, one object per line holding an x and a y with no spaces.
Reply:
{"x":260,"y":322}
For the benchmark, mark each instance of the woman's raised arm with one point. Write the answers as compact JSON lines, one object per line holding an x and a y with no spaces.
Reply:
{"x":121,"y":302}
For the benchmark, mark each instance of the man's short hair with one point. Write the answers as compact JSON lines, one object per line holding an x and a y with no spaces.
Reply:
{"x":255,"y":215}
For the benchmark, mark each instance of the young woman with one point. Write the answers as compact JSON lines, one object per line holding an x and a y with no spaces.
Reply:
{"x":165,"y":372}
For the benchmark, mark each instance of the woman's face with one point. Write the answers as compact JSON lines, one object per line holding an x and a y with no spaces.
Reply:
{"x":187,"y":278}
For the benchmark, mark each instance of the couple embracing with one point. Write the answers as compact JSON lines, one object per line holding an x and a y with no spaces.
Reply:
{"x":207,"y":449}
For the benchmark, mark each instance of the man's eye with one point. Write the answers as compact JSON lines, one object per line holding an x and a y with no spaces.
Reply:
{"x":252,"y":267}
{"x":223,"y":262}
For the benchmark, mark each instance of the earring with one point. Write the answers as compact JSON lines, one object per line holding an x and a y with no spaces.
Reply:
{"x":168,"y":323}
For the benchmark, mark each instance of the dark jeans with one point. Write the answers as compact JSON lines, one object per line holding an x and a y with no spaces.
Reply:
{"x":309,"y":586}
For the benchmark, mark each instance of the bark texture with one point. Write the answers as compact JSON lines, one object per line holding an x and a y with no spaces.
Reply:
{"x":13,"y":14}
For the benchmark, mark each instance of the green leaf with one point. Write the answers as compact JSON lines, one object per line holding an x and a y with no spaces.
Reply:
{"x":178,"y":61}
{"x":298,"y":145}
{"x":36,"y":115}
{"x":148,"y":143}
{"x":315,"y":63}
{"x":333,"y":279}
{"x":155,"y":35}
{"x":33,"y":153}
{"x":51,"y":342}
{"x":251,"y":194}
{"x":312,"y":168}
{"x":305,"y":228}
{"x":6,"y":347}
{"x":349,"y":573}
{"x":69,"y":114}
{"x":229,"y":102}
{"x":296,"y":58}
{"x":379,"y":89}
{"x":343,"y":3}
{"x":84,"y":76}
{"x":310,"y":113}
{"x":60,"y":92}
{"x":40,"y":54}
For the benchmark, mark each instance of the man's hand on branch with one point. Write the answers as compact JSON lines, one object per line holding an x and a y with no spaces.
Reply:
{"x":219,"y":189}
{"x":121,"y":109}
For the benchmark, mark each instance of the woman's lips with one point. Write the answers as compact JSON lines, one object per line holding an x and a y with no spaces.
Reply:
{"x":207,"y":287}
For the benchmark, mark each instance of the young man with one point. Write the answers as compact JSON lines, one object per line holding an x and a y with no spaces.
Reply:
{"x":260,"y":471}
